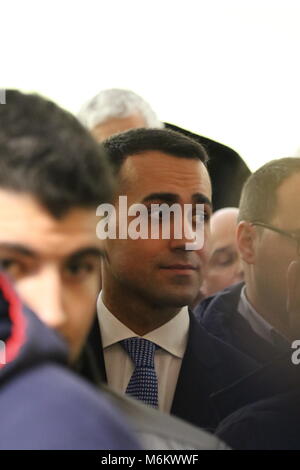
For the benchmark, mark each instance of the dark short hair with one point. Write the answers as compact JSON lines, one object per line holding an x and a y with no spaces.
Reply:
{"x":258,"y":199}
{"x":135,"y":141}
{"x":45,"y":152}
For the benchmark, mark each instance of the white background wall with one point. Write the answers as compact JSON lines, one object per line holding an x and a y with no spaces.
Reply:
{"x":228,"y":69}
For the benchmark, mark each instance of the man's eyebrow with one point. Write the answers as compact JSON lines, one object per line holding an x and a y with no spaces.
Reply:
{"x":25,"y":251}
{"x":19,"y":248}
{"x":200,"y":198}
{"x":90,"y":251}
{"x":172,"y":198}
{"x":165,"y":197}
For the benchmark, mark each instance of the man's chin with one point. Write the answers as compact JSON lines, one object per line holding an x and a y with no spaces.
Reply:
{"x":177,"y":299}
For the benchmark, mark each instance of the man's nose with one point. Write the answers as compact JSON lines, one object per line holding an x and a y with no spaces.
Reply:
{"x":185,"y":236}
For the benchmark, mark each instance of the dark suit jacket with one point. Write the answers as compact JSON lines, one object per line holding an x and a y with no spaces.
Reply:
{"x":277,"y":377}
{"x":227,"y":170}
{"x":208,"y":365}
{"x":43,"y":405}
{"x":272,"y":424}
{"x":219,"y":316}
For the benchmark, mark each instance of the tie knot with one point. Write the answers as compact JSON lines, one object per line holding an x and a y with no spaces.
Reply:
{"x":140,"y":350}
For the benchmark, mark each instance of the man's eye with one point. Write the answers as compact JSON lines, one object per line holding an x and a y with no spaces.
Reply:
{"x":200,"y":217}
{"x":207,"y":216}
{"x":12,"y":267}
{"x":224,"y":259}
{"x":6,"y":263}
{"x":155,"y":214}
{"x":79,"y":271}
{"x":79,"y":268}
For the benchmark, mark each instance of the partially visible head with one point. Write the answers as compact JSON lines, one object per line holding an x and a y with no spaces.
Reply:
{"x":224,"y":266}
{"x":116,"y":110}
{"x":155,"y":166}
{"x":271,"y":196}
{"x":52,"y":178}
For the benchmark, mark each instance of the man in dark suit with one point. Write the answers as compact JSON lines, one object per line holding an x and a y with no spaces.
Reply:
{"x":253,"y":317}
{"x":148,"y":282}
{"x":270,"y":420}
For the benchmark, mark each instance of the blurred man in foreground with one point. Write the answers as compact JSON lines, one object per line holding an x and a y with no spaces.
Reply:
{"x":49,"y":187}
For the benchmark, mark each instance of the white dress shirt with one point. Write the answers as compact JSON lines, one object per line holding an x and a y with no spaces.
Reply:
{"x":171,"y":337}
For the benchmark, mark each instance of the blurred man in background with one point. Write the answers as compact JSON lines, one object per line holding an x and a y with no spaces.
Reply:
{"x":253,"y":316}
{"x":116,"y":110}
{"x":224,"y":265}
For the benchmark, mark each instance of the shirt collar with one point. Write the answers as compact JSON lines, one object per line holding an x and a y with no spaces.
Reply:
{"x":172,"y":336}
{"x":256,"y":321}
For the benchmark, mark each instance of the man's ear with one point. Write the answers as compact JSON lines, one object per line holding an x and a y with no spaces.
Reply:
{"x":246,"y":235}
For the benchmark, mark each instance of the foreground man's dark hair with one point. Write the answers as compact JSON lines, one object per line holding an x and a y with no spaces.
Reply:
{"x":45,"y":152}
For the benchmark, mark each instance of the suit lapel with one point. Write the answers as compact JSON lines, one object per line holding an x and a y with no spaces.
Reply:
{"x":249,"y":342}
{"x":95,"y":344}
{"x":195,"y":383}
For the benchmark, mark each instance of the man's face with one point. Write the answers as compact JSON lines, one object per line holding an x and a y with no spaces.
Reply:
{"x":274,"y":252}
{"x":54,"y":264}
{"x":224,"y":266}
{"x":116,"y":125}
{"x":160,"y":271}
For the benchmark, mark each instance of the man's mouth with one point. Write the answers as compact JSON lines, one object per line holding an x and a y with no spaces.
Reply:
{"x":180,"y":268}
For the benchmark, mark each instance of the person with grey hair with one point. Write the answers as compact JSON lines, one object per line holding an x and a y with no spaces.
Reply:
{"x":253,"y":316}
{"x":115,"y":110}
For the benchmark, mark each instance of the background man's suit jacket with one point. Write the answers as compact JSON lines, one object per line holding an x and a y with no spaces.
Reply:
{"x":271,"y":418}
{"x":219,"y":315}
{"x":272,"y":424}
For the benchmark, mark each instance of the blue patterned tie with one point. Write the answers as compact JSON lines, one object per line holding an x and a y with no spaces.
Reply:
{"x":143,"y":383}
